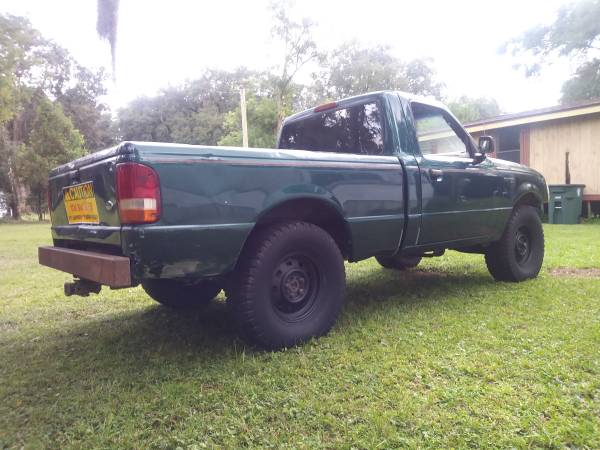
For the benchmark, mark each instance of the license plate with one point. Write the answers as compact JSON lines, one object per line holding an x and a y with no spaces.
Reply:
{"x":80,"y":203}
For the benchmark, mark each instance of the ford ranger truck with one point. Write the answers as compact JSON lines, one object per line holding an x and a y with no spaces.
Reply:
{"x":385,"y":175}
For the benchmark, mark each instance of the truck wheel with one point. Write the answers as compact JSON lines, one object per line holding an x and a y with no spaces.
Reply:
{"x":519,"y":254}
{"x":178,"y":294}
{"x":289,"y":285}
{"x":398,"y":262}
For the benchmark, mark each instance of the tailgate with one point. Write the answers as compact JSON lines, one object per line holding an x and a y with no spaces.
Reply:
{"x":83,"y":203}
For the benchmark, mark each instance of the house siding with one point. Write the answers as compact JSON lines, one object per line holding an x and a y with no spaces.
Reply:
{"x":550,"y":141}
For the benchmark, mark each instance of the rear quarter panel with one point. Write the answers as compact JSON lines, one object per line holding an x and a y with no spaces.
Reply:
{"x":212,"y":198}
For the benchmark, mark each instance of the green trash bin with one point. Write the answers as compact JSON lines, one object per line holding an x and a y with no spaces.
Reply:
{"x":564,"y":204}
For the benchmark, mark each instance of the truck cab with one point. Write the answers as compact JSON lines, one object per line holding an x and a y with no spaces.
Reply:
{"x":456,"y":195}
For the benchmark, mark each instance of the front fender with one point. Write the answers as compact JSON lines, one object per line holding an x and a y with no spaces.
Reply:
{"x":532,"y":194}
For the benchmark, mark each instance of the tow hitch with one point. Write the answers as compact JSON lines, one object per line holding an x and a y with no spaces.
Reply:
{"x":82,"y":287}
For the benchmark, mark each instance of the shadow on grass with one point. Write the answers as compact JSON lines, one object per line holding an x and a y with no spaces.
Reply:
{"x":211,"y":333}
{"x":412,"y":286}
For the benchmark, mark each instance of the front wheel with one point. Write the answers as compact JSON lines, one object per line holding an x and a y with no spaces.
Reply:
{"x":181,"y":294}
{"x":289,"y":285}
{"x":519,"y":254}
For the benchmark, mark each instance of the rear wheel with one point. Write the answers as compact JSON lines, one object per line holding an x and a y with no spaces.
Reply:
{"x":289,"y":285}
{"x":519,"y":254}
{"x":180,"y":294}
{"x":398,"y":262}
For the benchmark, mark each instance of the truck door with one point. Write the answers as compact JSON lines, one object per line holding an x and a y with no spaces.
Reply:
{"x":459,"y":196}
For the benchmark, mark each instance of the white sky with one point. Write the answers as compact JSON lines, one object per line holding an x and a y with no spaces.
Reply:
{"x":164,"y":42}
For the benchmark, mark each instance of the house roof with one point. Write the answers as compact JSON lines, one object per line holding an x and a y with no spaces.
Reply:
{"x":536,"y":115}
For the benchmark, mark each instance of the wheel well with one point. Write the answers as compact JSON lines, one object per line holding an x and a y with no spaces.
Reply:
{"x":312,"y":211}
{"x":530,"y":199}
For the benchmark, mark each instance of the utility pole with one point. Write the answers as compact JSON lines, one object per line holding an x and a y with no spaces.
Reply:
{"x":244,"y":119}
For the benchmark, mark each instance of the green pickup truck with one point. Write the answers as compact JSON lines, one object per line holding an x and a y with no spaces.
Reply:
{"x":385,"y":175}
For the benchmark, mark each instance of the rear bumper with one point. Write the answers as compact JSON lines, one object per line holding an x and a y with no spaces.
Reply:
{"x":110,"y":270}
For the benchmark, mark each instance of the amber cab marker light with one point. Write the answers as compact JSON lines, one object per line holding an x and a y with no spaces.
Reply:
{"x":138,"y":193}
{"x":325,"y":106}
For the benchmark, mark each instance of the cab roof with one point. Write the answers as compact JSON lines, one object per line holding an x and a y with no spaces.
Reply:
{"x":356,"y":98}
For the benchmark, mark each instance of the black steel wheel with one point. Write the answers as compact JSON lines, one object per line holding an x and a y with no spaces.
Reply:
{"x":522,"y":246}
{"x":519,"y":254}
{"x":295,"y":287}
{"x":289,"y":285}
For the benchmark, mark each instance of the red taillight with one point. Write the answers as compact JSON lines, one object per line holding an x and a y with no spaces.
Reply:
{"x":138,"y":193}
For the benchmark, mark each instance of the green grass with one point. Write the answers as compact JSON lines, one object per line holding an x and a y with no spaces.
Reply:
{"x":438,"y":357}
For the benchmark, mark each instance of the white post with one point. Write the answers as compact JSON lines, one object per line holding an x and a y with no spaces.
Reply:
{"x":244,"y":119}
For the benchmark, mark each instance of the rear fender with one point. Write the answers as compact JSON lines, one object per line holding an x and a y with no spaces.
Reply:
{"x":309,"y":203}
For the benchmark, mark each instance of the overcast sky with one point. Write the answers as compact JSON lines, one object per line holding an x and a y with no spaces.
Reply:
{"x":165,"y":42}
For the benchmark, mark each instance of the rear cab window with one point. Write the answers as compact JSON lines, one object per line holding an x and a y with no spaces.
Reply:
{"x":357,"y":129}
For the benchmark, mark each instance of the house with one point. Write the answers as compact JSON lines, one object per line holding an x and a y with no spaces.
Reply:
{"x":561,"y":142}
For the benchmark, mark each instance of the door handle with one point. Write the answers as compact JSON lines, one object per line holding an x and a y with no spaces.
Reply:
{"x":436,"y":175}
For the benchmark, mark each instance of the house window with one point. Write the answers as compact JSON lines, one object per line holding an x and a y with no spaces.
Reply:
{"x":509,"y":144}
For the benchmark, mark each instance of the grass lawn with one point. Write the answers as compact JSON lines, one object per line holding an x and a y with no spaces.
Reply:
{"x":442,"y":356}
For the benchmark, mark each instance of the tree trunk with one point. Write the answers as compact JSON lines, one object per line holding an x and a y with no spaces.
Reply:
{"x":279,"y":114}
{"x":14,"y":209}
{"x":39,"y":206}
{"x":15,"y":198}
{"x":15,"y":203}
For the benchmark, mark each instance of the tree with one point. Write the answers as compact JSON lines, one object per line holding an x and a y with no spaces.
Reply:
{"x":20,"y":46}
{"x":80,"y":102}
{"x":33,"y":72}
{"x":192,"y":113}
{"x":298,"y":47}
{"x":468,"y":109}
{"x":575,"y":34}
{"x":585,"y":83}
{"x":262,"y":119}
{"x":353,"y":69}
{"x":52,"y":141}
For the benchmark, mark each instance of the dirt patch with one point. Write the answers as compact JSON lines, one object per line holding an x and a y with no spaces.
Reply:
{"x":572,"y":272}
{"x":8,"y":326}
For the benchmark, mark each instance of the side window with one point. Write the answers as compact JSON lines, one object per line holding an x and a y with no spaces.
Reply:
{"x":356,"y":129}
{"x":436,"y":132}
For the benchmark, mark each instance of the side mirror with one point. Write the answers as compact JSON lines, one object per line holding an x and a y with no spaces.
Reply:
{"x":486,"y":145}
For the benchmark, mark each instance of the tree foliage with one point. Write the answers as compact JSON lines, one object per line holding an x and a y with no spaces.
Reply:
{"x":468,"y":109}
{"x":575,"y":34}
{"x":43,"y":91}
{"x":262,"y":115}
{"x":51,"y":140}
{"x":575,"y":31}
{"x":584,"y":84}
{"x":192,"y":113}
{"x":353,"y":69}
{"x":206,"y":111}
{"x":298,"y":49}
